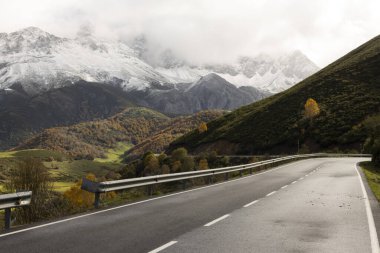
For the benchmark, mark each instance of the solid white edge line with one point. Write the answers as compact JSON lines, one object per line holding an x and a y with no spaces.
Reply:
{"x":216,"y":220}
{"x":271,"y":193}
{"x":147,"y":200}
{"x":284,"y":186}
{"x":163,"y":247}
{"x":301,"y":178}
{"x":294,"y":182}
{"x":251,"y":203}
{"x":371,"y":222}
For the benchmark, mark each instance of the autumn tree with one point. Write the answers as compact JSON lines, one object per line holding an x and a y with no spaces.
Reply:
{"x":181,"y":161}
{"x":187,"y":164}
{"x":165,"y":169}
{"x":176,"y":167}
{"x":179,"y":154}
{"x":311,"y":108}
{"x":202,"y":127}
{"x":151,"y":165}
{"x":79,"y":198}
{"x":203,"y":164}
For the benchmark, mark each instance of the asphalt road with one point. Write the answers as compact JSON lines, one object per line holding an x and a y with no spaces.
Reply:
{"x":315,"y":205}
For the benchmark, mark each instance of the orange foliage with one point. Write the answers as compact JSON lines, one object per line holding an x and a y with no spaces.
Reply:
{"x":311,"y":108}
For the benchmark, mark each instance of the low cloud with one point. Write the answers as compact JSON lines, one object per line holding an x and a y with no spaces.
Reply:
{"x":209,"y":30}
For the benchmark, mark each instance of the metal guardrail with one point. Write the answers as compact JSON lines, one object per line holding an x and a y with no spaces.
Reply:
{"x":13,"y":200}
{"x":117,"y":185}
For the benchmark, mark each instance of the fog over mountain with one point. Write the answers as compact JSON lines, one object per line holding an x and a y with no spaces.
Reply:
{"x":209,"y":31}
{"x":40,"y":61}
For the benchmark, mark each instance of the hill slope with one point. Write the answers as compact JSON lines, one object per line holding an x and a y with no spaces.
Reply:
{"x":133,"y":125}
{"x":170,"y":131}
{"x":22,"y":115}
{"x":92,"y":139}
{"x":347,"y":92}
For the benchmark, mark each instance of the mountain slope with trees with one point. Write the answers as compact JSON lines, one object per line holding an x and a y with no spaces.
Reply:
{"x":134,"y":125}
{"x":92,"y":139}
{"x":170,"y":131}
{"x":347,"y":93}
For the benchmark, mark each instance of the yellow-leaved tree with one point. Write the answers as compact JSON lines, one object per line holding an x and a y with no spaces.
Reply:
{"x":203,"y":164}
{"x":78,"y":197}
{"x":202,"y":127}
{"x":311,"y":108}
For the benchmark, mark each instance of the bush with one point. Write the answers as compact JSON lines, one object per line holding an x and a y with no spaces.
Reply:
{"x":32,"y":175}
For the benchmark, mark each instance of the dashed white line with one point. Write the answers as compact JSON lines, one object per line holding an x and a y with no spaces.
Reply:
{"x":217,"y":220}
{"x":294,"y":182}
{"x":301,"y":178}
{"x":284,"y":186}
{"x":163,"y":247}
{"x":146,"y":200}
{"x":273,"y":192}
{"x":251,"y":203}
{"x":371,"y":222}
{"x":306,"y":175}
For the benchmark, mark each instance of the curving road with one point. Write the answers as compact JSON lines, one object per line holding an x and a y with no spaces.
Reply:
{"x":315,"y":205}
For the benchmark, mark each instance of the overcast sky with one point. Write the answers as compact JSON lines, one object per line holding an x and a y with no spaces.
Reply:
{"x":210,"y":30}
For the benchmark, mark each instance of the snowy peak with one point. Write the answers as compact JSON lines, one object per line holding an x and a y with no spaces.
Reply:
{"x":264,"y":72}
{"x":212,"y":77}
{"x":31,"y":39}
{"x":40,"y":61}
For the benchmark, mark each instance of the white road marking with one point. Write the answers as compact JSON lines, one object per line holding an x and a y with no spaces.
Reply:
{"x":273,"y":192}
{"x":251,"y":203}
{"x":306,"y":175}
{"x":371,"y":222}
{"x":301,"y":178}
{"x":294,"y":182}
{"x":147,"y":200}
{"x":284,"y":186}
{"x":217,"y":220}
{"x":163,"y":247}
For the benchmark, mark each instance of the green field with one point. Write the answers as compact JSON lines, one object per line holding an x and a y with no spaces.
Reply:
{"x":70,"y":171}
{"x":65,"y":172}
{"x":373,"y":177}
{"x":115,"y":154}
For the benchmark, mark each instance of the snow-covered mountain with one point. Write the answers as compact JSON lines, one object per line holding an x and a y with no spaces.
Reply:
{"x":40,"y":61}
{"x":265,"y":72}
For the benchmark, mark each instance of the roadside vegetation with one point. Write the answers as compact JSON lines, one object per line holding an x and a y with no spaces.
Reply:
{"x":55,"y":179}
{"x":372,"y":174}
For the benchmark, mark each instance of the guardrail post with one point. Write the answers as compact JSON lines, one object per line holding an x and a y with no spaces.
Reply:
{"x":97,"y":199}
{"x":7,"y":218}
{"x":184,"y":184}
{"x":241,"y":173}
{"x":149,"y":190}
{"x":251,"y":171}
{"x":226,"y":177}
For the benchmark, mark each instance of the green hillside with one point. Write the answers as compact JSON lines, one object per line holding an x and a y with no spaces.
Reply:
{"x":347,"y":91}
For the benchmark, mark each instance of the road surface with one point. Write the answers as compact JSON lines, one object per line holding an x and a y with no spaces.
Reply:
{"x":314,"y":205}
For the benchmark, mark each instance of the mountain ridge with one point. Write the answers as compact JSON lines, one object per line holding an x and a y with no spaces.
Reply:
{"x":41,"y":61}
